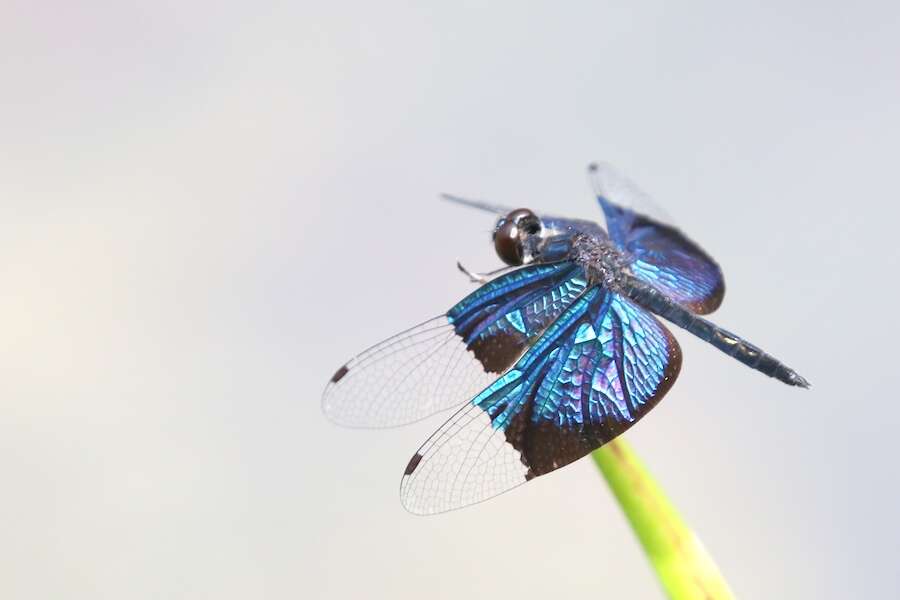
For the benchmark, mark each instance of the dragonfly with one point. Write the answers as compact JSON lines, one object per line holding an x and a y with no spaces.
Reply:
{"x":554,"y":355}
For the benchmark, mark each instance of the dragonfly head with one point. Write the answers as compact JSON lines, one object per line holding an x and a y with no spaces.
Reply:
{"x":517,"y":236}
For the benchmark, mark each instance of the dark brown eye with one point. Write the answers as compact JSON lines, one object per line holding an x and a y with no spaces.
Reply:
{"x":510,"y":236}
{"x":507,"y":243}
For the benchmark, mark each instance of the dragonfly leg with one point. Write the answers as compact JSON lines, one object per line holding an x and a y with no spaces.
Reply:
{"x":481,"y":277}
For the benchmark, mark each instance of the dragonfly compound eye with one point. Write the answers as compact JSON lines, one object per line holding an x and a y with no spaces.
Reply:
{"x":507,"y":243}
{"x":513,"y":232}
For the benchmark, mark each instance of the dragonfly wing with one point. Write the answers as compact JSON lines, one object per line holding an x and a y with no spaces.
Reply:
{"x":600,"y":367}
{"x":663,"y":256}
{"x":443,"y":362}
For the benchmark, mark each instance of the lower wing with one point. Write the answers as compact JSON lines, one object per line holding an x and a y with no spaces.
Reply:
{"x":600,"y":367}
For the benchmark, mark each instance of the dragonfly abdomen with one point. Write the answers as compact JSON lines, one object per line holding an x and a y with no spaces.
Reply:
{"x":729,"y":343}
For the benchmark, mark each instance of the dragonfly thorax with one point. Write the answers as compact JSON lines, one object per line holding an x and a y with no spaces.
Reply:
{"x":603,"y":262}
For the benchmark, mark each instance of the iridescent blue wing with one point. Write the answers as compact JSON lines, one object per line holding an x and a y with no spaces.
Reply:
{"x":500,"y":319}
{"x":445,"y":361}
{"x":662,"y":255}
{"x":600,"y":367}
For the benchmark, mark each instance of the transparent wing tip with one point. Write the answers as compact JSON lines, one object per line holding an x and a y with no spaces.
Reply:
{"x":606,"y":180}
{"x":609,"y":183}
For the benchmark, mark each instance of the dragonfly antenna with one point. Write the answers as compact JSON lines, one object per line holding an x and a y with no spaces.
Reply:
{"x":492,"y":208}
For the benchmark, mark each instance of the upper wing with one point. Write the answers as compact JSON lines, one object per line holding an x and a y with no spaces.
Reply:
{"x":663,"y":256}
{"x":594,"y":372}
{"x":445,"y":361}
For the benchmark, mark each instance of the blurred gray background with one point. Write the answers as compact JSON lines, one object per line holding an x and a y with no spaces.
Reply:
{"x":206,"y":207}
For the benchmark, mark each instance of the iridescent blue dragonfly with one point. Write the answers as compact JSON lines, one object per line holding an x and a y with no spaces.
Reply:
{"x":556,"y":356}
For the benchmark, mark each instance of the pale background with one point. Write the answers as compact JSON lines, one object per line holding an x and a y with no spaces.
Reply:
{"x":206,"y":208}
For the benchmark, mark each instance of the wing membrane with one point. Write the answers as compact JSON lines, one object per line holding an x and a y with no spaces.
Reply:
{"x":595,"y":371}
{"x":445,"y":361}
{"x":663,"y":256}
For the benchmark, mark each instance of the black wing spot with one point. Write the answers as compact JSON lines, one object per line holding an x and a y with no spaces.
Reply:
{"x":413,"y":463}
{"x":339,"y":374}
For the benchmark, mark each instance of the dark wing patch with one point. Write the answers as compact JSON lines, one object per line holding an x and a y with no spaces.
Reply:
{"x":413,"y":463}
{"x":339,"y":374}
{"x":594,"y":372}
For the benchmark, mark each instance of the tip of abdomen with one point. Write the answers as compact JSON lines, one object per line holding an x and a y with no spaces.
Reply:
{"x":794,"y":378}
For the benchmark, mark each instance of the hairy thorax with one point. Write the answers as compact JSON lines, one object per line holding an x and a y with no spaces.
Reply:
{"x":602,"y":261}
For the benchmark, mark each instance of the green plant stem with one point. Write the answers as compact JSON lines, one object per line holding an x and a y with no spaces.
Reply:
{"x":683,"y":566}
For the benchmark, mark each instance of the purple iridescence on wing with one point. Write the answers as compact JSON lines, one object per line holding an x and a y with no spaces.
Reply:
{"x":666,"y":259}
{"x":669,"y":261}
{"x":663,"y":256}
{"x":604,"y":360}
{"x":594,"y":372}
{"x":611,"y":369}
